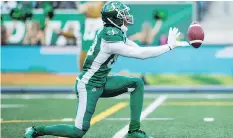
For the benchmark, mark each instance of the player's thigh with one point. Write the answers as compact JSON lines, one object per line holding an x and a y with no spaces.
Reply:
{"x":88,"y":97}
{"x":117,"y":85}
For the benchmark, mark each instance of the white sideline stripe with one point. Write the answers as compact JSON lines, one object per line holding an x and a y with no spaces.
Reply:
{"x":195,"y":41}
{"x":201,"y":96}
{"x":124,"y":119}
{"x":123,"y":96}
{"x":12,"y":105}
{"x":38,"y":96}
{"x":182,"y":96}
{"x":67,"y":119}
{"x":145,"y":113}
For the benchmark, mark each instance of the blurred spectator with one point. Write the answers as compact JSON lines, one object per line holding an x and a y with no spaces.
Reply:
{"x":57,"y":4}
{"x":227,"y":7}
{"x":70,"y":35}
{"x":66,"y":5}
{"x":34,"y":34}
{"x":5,"y":33}
{"x":147,"y":34}
{"x":202,"y":8}
{"x":163,"y":39}
{"x":6,"y":6}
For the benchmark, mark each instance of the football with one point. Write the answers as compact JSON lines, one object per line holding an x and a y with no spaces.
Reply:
{"x":195,"y":34}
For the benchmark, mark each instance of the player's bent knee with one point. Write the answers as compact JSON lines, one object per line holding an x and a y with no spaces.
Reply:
{"x":139,"y":82}
{"x":79,"y":133}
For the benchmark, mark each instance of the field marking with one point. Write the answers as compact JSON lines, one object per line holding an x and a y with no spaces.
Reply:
{"x":38,"y":96}
{"x":199,"y":103}
{"x":145,"y":119}
{"x":108,"y":112}
{"x":123,"y":96}
{"x":208,"y":119}
{"x":12,"y":105}
{"x":113,"y":109}
{"x":200,"y":96}
{"x":32,"y":121}
{"x":158,"y":101}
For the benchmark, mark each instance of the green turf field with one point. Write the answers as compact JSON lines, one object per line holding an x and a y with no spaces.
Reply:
{"x":164,"y":115}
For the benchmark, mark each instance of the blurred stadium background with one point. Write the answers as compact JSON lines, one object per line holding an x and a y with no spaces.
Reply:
{"x":37,"y":58}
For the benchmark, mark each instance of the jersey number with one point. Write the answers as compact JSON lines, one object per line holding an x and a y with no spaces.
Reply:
{"x":92,"y":48}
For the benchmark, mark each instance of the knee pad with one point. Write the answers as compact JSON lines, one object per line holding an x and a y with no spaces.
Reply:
{"x":138,"y":85}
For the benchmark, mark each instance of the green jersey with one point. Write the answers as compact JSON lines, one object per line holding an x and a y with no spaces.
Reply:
{"x":98,"y":62}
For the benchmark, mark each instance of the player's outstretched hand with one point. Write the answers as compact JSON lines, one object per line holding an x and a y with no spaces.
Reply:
{"x":172,"y":36}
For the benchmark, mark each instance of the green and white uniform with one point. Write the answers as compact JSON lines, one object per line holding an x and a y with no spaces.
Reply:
{"x":98,"y":61}
{"x":94,"y":82}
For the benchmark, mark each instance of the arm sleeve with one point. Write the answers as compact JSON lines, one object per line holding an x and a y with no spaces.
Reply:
{"x":131,"y":43}
{"x":122,"y":49}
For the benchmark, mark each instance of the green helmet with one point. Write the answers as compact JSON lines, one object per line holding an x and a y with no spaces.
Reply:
{"x":116,"y":13}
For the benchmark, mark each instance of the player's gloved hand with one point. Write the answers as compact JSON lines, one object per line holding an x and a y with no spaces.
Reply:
{"x":172,"y":36}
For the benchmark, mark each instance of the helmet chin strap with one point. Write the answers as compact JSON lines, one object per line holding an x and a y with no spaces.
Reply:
{"x":123,"y":27}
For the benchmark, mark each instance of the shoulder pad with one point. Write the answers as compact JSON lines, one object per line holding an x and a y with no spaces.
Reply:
{"x":112,"y":34}
{"x":112,"y":31}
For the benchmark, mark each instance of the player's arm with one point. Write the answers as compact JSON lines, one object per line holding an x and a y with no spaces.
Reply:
{"x":131,"y":43}
{"x":123,"y":49}
{"x":65,"y":34}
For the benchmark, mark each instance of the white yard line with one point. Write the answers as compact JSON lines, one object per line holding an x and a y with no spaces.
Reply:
{"x":208,"y":119}
{"x":200,"y":96}
{"x":12,"y":105}
{"x":148,"y":119}
{"x":38,"y":96}
{"x":182,"y":96}
{"x":123,"y":96}
{"x":145,"y":113}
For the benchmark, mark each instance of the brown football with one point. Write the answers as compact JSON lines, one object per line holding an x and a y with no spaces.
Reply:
{"x":195,"y":34}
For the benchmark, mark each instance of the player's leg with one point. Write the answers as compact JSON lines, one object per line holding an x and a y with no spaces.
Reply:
{"x":117,"y":85}
{"x":88,"y":96}
{"x":86,"y":108}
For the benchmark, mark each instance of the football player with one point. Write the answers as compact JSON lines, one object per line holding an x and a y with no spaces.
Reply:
{"x":92,"y":24}
{"x":94,"y":83}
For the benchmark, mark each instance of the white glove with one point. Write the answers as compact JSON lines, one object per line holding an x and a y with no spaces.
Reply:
{"x":172,"y":36}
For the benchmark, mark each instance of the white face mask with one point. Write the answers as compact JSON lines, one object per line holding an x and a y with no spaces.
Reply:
{"x":123,"y":27}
